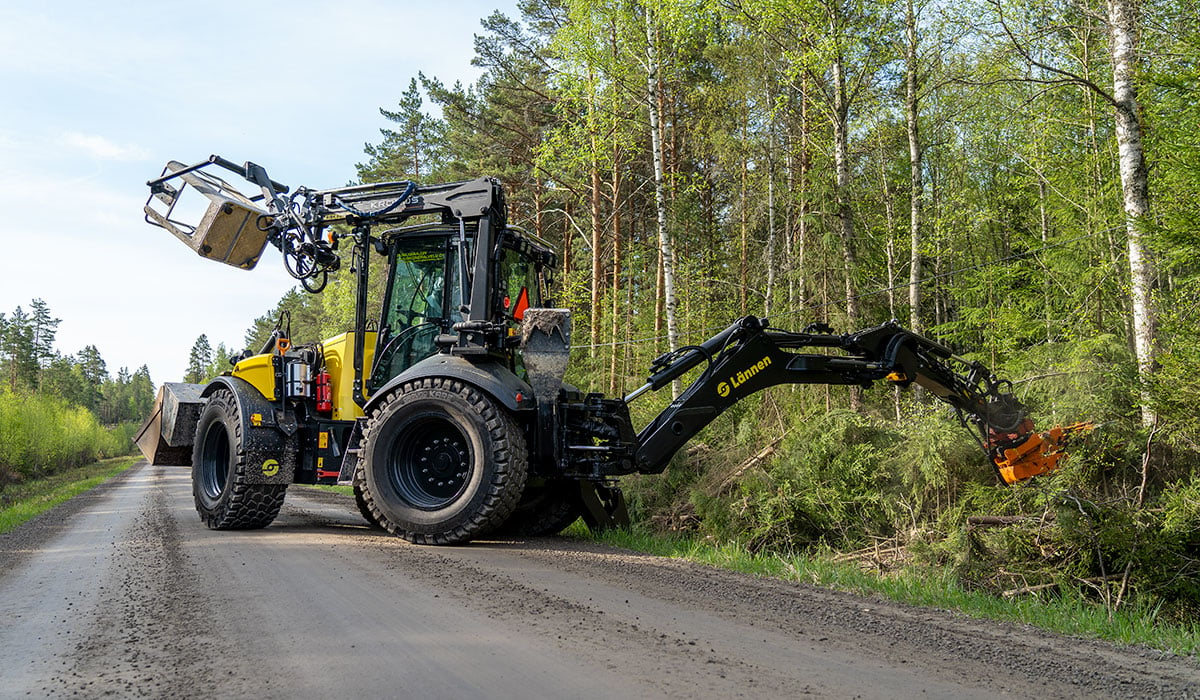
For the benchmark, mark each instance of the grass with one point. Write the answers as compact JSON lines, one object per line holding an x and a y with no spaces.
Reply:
{"x":26,"y":500}
{"x":1067,"y":614}
{"x":346,"y":490}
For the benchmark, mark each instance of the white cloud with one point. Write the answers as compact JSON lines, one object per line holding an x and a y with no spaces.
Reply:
{"x":101,"y":148}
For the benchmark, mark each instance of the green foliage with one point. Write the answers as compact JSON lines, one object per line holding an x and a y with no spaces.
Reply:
{"x":126,"y":399}
{"x":42,"y":434}
{"x":829,"y":484}
{"x":52,"y":406}
{"x":843,"y":478}
{"x":28,"y":500}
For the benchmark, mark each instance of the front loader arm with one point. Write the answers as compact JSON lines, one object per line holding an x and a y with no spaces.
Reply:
{"x":748,"y":357}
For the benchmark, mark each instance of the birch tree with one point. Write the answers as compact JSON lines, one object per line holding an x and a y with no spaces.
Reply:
{"x":666,"y":249}
{"x":1120,"y":18}
{"x":1122,"y":23}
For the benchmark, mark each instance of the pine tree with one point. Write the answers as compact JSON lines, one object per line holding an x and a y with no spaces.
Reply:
{"x":94,"y":372}
{"x":19,"y":351}
{"x":220,"y":362}
{"x":409,"y":151}
{"x":199,"y":361}
{"x":43,"y":329}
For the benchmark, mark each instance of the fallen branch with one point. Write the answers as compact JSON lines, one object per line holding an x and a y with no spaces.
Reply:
{"x":1093,"y":582}
{"x":1028,"y":589}
{"x":758,"y":458}
{"x":998,"y":520}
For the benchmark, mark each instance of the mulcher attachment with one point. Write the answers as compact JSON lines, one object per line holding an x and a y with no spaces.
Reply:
{"x":1034,"y":453}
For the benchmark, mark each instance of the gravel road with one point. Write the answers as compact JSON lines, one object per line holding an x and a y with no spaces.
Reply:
{"x":123,"y":592}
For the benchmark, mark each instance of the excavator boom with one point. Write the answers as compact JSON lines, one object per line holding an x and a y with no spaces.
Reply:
{"x":750,"y":356}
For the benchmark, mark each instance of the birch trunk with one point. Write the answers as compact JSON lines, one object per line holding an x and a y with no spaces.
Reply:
{"x":802,"y":206}
{"x":743,"y":217}
{"x":596,"y":229}
{"x":597,"y":261}
{"x":912,"y":110}
{"x":666,"y":254}
{"x":1122,"y":25}
{"x":617,"y":315}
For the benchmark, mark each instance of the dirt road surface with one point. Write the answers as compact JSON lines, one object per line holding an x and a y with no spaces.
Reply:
{"x":123,"y":592}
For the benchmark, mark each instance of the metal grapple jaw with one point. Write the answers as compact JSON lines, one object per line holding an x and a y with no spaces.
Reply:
{"x":1027,"y":453}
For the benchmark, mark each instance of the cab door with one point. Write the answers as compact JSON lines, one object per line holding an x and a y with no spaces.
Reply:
{"x":422,"y":297}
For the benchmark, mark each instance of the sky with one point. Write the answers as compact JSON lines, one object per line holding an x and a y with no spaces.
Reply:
{"x":98,"y":96}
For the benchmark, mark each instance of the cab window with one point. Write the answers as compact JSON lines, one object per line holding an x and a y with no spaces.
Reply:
{"x":520,"y":286}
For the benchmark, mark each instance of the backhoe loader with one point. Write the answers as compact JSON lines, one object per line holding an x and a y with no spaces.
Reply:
{"x":448,"y":414}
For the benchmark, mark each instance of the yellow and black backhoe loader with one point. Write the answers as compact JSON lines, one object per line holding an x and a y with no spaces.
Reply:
{"x":448,"y":413}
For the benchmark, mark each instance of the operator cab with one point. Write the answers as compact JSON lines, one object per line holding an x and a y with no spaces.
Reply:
{"x":429,"y":277}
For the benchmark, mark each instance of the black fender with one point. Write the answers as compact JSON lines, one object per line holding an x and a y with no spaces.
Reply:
{"x":268,"y":435}
{"x":489,"y":376}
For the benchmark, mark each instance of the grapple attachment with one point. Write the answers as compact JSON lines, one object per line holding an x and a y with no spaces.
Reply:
{"x":231,"y":229}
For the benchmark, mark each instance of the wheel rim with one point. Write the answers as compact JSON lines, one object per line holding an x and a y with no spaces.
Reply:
{"x":430,"y":463}
{"x":214,"y":461}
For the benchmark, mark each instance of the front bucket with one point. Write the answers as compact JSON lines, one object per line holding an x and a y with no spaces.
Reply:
{"x":166,"y":437}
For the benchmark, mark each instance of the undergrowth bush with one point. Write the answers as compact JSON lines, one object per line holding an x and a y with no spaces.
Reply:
{"x":43,"y":434}
{"x":829,"y":483}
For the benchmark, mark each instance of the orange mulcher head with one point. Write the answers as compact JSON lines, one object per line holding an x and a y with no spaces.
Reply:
{"x":1036,"y":454}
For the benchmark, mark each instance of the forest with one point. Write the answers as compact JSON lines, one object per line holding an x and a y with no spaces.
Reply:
{"x":59,"y":411}
{"x":1016,"y":180}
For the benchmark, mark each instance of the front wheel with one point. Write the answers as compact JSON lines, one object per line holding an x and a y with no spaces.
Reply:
{"x":361,"y":501}
{"x":442,"y":462}
{"x":223,"y":498}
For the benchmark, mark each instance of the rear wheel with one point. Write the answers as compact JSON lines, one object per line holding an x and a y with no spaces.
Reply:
{"x":545,"y":509}
{"x":442,"y":462}
{"x":223,"y":498}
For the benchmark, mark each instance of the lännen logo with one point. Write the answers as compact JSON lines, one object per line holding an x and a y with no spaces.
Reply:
{"x":724,"y":388}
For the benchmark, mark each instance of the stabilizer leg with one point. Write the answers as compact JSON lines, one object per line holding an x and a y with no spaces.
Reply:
{"x":603,"y":506}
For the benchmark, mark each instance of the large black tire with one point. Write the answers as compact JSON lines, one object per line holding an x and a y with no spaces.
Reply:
{"x":545,"y":509}
{"x":361,"y":501}
{"x":223,"y":498}
{"x":442,"y":462}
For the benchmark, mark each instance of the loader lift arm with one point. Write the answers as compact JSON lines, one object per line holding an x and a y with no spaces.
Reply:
{"x":749,"y":356}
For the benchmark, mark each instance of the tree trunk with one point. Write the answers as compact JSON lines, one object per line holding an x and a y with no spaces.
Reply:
{"x":889,"y":231}
{"x":912,"y":111}
{"x":1122,"y":24}
{"x":743,"y":216}
{"x":770,"y":201}
{"x":538,"y":222}
{"x":597,"y":263}
{"x":653,"y":87}
{"x":802,"y":206}
{"x":615,"y":186}
{"x":567,"y":235}
{"x":841,"y":157}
